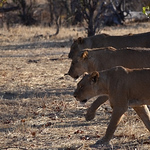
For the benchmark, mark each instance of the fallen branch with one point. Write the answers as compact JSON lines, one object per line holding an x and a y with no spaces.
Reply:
{"x":2,"y":10}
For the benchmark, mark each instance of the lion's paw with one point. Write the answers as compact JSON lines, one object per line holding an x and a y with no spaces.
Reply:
{"x":101,"y":144}
{"x":89,"y":115}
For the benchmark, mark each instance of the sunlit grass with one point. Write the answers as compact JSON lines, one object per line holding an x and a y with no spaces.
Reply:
{"x":37,"y":109}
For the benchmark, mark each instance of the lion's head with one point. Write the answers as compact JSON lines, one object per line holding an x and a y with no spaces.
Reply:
{"x":79,"y":65}
{"x":90,"y":85}
{"x":76,"y":47}
{"x":89,"y":60}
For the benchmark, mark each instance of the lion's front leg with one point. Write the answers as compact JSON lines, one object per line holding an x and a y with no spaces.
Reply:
{"x":94,"y":106}
{"x":115,"y":119}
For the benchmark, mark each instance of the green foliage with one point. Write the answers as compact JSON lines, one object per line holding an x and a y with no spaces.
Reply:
{"x":2,"y":2}
{"x":145,"y":9}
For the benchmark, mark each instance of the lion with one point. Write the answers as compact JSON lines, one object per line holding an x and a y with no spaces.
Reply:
{"x":124,"y":87}
{"x":105,"y":40}
{"x":106,"y":58}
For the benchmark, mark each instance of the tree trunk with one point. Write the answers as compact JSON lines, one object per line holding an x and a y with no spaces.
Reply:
{"x":91,"y":31}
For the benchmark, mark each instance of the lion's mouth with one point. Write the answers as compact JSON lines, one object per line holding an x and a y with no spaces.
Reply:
{"x":84,"y":101}
{"x":76,"y":77}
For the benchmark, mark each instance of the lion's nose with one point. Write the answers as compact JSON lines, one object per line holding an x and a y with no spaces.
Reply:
{"x":66,"y":74}
{"x":74,"y":95}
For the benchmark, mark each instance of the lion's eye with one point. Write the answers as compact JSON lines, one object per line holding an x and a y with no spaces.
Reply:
{"x":81,"y":87}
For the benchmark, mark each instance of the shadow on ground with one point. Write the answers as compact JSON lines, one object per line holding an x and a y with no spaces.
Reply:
{"x":36,"y":93}
{"x":37,"y":45}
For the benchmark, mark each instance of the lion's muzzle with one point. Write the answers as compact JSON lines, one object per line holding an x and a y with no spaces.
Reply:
{"x":76,"y":97}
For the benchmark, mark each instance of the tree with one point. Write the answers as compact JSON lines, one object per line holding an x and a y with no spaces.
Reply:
{"x":58,"y":8}
{"x":23,"y":8}
{"x":26,"y":11}
{"x":88,"y":9}
{"x":99,"y":12}
{"x":2,"y":2}
{"x":10,"y":8}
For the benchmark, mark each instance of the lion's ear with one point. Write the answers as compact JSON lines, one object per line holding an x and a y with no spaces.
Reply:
{"x":84,"y":55}
{"x":85,"y":73}
{"x":80,"y":40}
{"x":94,"y":76}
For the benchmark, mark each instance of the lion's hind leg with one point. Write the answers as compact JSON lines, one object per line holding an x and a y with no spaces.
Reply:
{"x":144,"y":113}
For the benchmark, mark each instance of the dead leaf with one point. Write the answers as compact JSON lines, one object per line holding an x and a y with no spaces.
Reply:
{"x":33,"y":133}
{"x":79,"y":132}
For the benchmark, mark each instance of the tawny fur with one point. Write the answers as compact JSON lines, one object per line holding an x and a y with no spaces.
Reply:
{"x":105,"y":40}
{"x":106,"y":58}
{"x":123,"y":87}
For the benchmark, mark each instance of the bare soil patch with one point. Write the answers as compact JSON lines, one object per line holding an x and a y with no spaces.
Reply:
{"x":37,"y":109}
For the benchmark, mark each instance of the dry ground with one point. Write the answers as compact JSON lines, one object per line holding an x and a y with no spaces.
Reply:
{"x":37,"y":109}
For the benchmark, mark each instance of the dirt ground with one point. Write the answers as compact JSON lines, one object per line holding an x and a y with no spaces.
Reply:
{"x":37,"y":108}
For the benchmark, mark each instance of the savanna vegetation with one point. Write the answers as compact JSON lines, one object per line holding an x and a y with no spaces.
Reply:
{"x":37,"y":107}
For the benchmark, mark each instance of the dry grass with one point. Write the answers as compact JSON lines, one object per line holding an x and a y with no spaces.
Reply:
{"x":37,"y":109}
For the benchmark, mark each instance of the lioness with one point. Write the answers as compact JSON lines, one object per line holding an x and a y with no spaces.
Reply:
{"x":105,"y":40}
{"x":124,"y":87}
{"x":105,"y":58}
